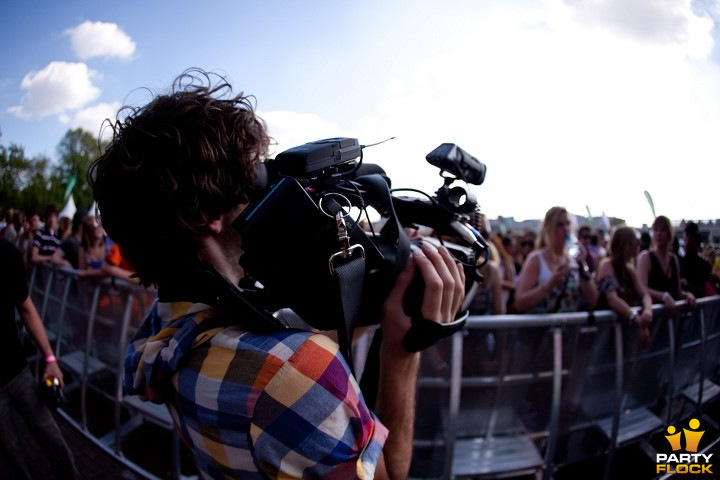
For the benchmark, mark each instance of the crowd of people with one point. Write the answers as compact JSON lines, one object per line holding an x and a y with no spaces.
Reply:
{"x":20,"y":397}
{"x":560,"y":270}
{"x":78,"y":243}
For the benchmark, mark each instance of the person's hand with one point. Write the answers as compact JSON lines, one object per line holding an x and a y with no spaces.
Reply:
{"x":444,"y":281}
{"x":690,"y":299}
{"x":559,"y":275}
{"x":643,"y":321}
{"x":52,"y":370}
{"x":670,"y":307}
{"x":582,"y":255}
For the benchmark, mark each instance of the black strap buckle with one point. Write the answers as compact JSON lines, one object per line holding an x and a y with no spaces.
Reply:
{"x":346,"y":250}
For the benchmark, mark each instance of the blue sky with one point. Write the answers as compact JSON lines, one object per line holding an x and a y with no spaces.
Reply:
{"x":580,"y":103}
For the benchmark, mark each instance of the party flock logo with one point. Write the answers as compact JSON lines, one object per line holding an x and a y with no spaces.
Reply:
{"x":688,"y":462}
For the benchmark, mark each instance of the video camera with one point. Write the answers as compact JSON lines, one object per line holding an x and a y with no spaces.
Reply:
{"x":300,"y":242}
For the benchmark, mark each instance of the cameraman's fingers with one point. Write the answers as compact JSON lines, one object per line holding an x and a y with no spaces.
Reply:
{"x":403,"y":280}
{"x":459,"y":287}
{"x":395,"y":322}
{"x":431,"y":307}
{"x":439,"y":284}
{"x":456,"y":270}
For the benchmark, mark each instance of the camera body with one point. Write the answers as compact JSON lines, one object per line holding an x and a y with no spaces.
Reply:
{"x":300,"y":223}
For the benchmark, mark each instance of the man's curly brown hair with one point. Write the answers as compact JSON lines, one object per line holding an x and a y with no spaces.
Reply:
{"x":186,"y":156}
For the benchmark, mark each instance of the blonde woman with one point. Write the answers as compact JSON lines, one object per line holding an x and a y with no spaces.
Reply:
{"x":547,"y":283}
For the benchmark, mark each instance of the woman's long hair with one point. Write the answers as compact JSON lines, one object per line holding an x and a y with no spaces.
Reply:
{"x":548,"y":225}
{"x":620,"y":255}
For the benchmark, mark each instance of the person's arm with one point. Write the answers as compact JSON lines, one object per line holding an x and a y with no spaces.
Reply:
{"x":444,"y":290}
{"x":109,"y":269}
{"x":589,"y":290}
{"x":58,"y":258}
{"x":498,"y":308}
{"x":689,"y":297}
{"x":623,"y":309}
{"x":34,"y":326}
{"x":35,"y":256}
{"x":529,"y":292}
{"x":508,"y":278}
{"x":643,"y":318}
{"x":614,"y":301}
{"x":83,"y":263}
{"x":642,"y":292}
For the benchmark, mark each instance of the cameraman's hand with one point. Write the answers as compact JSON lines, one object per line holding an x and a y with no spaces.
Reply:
{"x":444,"y":290}
{"x":444,"y":281}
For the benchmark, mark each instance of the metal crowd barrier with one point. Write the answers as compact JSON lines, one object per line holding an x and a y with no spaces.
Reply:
{"x":510,"y":395}
{"x":89,"y":322}
{"x":539,"y":395}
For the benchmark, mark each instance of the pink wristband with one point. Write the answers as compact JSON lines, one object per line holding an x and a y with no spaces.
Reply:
{"x":50,"y":359}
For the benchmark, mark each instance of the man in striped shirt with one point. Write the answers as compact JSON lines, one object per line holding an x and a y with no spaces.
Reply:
{"x":250,"y":398}
{"x":46,"y":239}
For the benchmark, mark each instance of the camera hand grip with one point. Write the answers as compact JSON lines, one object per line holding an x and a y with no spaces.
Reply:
{"x":425,"y":333}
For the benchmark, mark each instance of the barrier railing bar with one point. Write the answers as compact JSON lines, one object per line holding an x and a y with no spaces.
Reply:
{"x":61,"y":315}
{"x":555,"y":405}
{"x":617,"y":401}
{"x":671,"y":368}
{"x":701,"y":380}
{"x":86,"y":355}
{"x":454,"y":407}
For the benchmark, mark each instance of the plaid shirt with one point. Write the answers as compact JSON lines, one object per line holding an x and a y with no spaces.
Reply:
{"x":284,"y":404}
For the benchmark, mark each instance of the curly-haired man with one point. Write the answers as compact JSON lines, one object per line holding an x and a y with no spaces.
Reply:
{"x":251,"y":402}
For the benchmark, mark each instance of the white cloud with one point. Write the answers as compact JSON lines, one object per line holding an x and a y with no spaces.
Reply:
{"x":562,"y":114}
{"x":665,"y":22}
{"x":58,"y":87}
{"x":91,"y":119}
{"x":290,"y":129}
{"x":100,"y":39}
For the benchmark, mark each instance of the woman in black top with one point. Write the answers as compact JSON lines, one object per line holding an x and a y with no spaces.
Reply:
{"x":659,"y":268}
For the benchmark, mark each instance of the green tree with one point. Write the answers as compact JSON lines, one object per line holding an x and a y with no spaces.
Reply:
{"x":24,"y":182}
{"x":40,"y":189}
{"x":13,"y":166}
{"x":76,"y":151}
{"x":30,"y":184}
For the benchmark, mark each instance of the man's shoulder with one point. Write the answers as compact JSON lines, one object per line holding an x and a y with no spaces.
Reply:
{"x":281,"y":343}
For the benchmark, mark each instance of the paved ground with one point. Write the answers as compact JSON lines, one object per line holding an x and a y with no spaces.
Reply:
{"x":92,"y":462}
{"x":150,"y":447}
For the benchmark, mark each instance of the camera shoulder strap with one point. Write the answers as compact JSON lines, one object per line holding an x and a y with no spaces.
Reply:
{"x":350,"y":276}
{"x":201,"y":283}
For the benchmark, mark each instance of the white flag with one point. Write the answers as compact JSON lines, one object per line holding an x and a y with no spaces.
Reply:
{"x":69,"y":209}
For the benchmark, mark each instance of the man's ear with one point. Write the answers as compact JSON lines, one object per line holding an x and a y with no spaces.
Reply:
{"x":214,"y":225}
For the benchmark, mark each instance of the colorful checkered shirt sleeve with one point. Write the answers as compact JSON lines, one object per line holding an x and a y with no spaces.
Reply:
{"x":283,"y":404}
